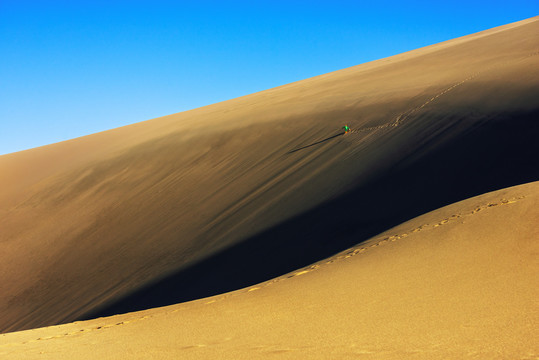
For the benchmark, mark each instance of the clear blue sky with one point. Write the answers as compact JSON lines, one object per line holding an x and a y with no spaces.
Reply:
{"x":71,"y":68}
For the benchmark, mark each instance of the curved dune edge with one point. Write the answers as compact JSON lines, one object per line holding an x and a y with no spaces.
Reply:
{"x":458,"y":282}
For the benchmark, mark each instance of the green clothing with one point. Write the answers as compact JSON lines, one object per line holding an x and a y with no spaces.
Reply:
{"x":346,"y":128}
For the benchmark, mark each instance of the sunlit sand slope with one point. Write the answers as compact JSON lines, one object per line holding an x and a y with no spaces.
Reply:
{"x":457,"y":283}
{"x":267,"y":179}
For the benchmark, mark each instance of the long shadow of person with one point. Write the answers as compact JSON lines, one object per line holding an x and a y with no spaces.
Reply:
{"x":315,"y":143}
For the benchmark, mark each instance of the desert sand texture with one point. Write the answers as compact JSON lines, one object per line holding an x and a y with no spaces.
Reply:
{"x":233,"y":194}
{"x":457,"y":283}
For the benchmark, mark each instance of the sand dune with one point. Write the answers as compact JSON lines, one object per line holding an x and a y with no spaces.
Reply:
{"x":240,"y":192}
{"x":459,"y":282}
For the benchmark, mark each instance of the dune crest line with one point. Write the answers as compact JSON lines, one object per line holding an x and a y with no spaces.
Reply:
{"x":359,"y":249}
{"x":356,"y":250}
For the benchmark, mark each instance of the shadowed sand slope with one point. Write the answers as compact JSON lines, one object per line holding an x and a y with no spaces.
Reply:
{"x":89,"y":223}
{"x":459,"y":282}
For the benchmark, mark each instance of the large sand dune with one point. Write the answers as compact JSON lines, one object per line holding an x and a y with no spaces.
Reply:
{"x":457,"y":283}
{"x":237,"y":193}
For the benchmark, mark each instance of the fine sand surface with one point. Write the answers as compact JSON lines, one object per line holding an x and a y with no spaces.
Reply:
{"x":457,"y":283}
{"x":233,"y":194}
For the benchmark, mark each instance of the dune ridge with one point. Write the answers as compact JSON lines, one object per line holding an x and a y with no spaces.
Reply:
{"x":421,"y":290}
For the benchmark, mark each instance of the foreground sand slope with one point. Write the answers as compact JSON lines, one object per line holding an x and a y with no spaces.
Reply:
{"x":457,"y":283}
{"x":90,"y":221}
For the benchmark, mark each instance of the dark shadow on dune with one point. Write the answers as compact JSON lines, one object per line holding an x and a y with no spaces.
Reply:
{"x":316,"y":143}
{"x":498,"y":154}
